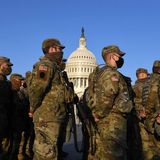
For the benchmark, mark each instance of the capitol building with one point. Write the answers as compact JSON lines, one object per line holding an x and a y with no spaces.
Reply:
{"x":79,"y":65}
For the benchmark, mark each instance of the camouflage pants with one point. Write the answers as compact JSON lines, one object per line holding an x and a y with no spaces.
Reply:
{"x":108,"y":146}
{"x":150,"y":148}
{"x":45,"y":144}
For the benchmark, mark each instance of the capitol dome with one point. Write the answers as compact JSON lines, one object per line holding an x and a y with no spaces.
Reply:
{"x":79,"y":65}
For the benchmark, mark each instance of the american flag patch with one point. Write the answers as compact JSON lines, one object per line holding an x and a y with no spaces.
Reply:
{"x":43,"y":68}
{"x":114,"y":78}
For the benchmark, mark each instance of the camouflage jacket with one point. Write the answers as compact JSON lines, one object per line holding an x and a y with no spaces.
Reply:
{"x":151,"y":100}
{"x":138,"y":88}
{"x":151,"y":94}
{"x":112,"y":93}
{"x":47,"y":91}
{"x":113,"y":103}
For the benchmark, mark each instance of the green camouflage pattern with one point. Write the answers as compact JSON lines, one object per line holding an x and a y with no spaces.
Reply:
{"x":112,"y":105}
{"x":48,"y":98}
{"x":146,"y":140}
{"x":151,"y":102}
{"x":138,"y":88}
{"x":51,"y":42}
{"x":111,"y":49}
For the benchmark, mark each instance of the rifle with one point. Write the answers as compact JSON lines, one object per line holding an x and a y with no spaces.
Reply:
{"x":90,"y":126}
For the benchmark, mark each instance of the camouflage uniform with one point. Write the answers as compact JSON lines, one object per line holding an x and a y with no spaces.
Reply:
{"x":5,"y":105}
{"x":138,"y":88}
{"x":151,"y":102}
{"x":48,"y":97}
{"x":112,"y":104}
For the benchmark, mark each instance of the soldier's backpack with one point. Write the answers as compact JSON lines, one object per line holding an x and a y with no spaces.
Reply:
{"x":91,"y":90}
{"x":88,"y":102}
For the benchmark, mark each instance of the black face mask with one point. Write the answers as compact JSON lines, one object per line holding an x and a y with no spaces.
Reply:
{"x":120,"y":62}
{"x":58,"y":56}
{"x":55,"y":56}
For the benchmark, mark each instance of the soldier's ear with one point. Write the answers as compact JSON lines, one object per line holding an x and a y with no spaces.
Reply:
{"x":114,"y":57}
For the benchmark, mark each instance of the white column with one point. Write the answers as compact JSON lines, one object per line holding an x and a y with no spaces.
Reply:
{"x":83,"y":82}
{"x":78,"y":82}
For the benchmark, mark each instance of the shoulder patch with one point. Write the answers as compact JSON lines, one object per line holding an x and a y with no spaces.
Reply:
{"x":114,"y":78}
{"x":42,"y":72}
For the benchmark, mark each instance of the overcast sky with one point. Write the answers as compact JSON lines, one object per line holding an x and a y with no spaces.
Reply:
{"x":133,"y":25}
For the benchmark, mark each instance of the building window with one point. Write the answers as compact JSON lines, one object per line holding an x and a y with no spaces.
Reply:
{"x":81,"y":69}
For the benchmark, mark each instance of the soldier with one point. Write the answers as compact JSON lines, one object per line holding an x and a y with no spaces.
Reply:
{"x":110,"y":105}
{"x":136,"y":126}
{"x":5,"y":101}
{"x":142,"y":76}
{"x":69,"y":122}
{"x":48,"y":96}
{"x":20,"y":118}
{"x":151,"y":103}
{"x":26,"y":146}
